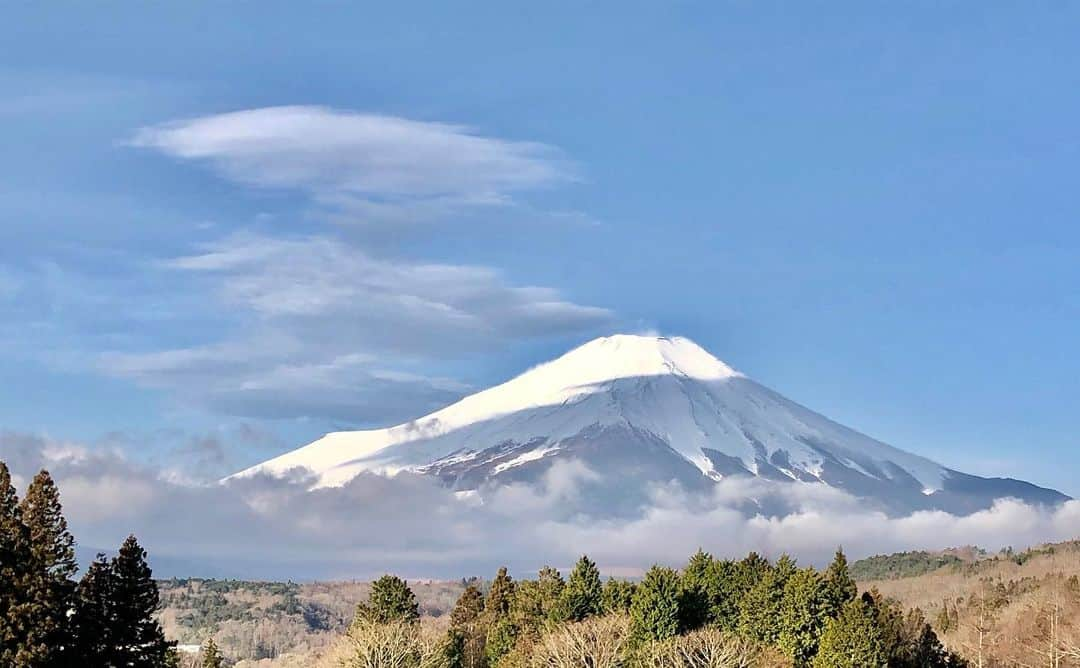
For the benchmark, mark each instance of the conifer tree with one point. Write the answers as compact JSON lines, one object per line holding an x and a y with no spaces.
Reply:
{"x":501,"y":595}
{"x":759,"y":609}
{"x":538,"y":603}
{"x":549,"y":586}
{"x":583,"y":594}
{"x":502,"y":633}
{"x":617,"y":596}
{"x":852,"y":639}
{"x":468,"y":609}
{"x":467,"y":636}
{"x":803,"y":613}
{"x":137,"y":636}
{"x":390,"y":600}
{"x":654,"y":611}
{"x":725,"y":592}
{"x":14,"y":558}
{"x":695,"y":591}
{"x":840,"y":585}
{"x":92,"y":619}
{"x":211,"y":655}
{"x":51,"y":569}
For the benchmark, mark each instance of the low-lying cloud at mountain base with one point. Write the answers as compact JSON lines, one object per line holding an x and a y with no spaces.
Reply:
{"x":276,"y":528}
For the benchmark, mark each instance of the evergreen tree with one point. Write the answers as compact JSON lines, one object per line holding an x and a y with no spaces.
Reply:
{"x":468,"y":609}
{"x":15,"y":605}
{"x":852,"y":639}
{"x":538,"y":603}
{"x":52,"y":567}
{"x":583,"y":594}
{"x":137,"y":636}
{"x":390,"y":600}
{"x":759,"y":609}
{"x":500,"y":641}
{"x":617,"y":596}
{"x":696,"y":591}
{"x":549,"y":586}
{"x":654,"y":611}
{"x":725,"y":591}
{"x":840,"y":585}
{"x":465,"y":648}
{"x":92,"y":619}
{"x":502,"y":633}
{"x":501,"y":595}
{"x":803,"y":613}
{"x":211,"y":656}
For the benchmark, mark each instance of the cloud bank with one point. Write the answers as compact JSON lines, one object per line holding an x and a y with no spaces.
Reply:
{"x":274,"y":528}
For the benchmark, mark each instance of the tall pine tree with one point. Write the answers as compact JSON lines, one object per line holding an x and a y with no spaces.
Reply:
{"x":583,"y":594}
{"x":138,"y":638}
{"x":211,"y":655}
{"x":695,"y":589}
{"x":839,"y":584}
{"x":14,"y":558}
{"x":390,"y":600}
{"x":92,"y":619}
{"x":502,"y":633}
{"x":51,"y":568}
{"x":654,"y":611}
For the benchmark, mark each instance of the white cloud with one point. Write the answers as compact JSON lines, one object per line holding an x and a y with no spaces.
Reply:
{"x":371,"y":165}
{"x":324,"y":329}
{"x":264,"y":527}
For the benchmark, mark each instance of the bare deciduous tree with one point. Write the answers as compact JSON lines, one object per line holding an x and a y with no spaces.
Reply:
{"x":598,"y":642}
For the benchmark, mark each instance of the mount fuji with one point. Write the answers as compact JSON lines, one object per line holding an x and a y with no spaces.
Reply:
{"x":640,"y":411}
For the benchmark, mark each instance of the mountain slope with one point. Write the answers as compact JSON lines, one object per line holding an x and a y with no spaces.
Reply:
{"x":639,"y":410}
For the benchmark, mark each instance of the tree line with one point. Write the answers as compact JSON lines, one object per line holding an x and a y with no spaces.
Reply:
{"x":48,"y":618}
{"x":713,"y":613}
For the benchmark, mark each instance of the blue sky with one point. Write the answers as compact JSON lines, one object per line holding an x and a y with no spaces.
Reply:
{"x":227,"y":229}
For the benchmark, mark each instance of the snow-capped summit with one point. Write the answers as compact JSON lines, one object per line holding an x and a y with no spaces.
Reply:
{"x":641,"y":410}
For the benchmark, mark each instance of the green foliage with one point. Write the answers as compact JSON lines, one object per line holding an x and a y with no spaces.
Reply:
{"x":501,"y":595}
{"x":695,"y":591}
{"x":617,"y":596}
{"x":839,"y":584}
{"x":908,"y":640}
{"x":852,"y":639}
{"x":136,"y":635}
{"x":211,"y":655}
{"x":14,"y":559}
{"x":501,"y":638}
{"x":390,"y":600}
{"x":654,"y":610}
{"x":502,"y":632}
{"x":582,"y":596}
{"x":759,"y":608}
{"x":901,"y":565}
{"x":468,"y":609}
{"x":51,"y":567}
{"x":92,"y":622}
{"x":467,"y":636}
{"x":804,"y":611}
{"x":538,"y":604}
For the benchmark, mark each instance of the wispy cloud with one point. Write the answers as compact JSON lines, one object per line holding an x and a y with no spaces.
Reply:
{"x":369,"y":165}
{"x":326,"y":330}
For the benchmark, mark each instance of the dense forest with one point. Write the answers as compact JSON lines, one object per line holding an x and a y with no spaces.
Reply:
{"x":713,"y":613}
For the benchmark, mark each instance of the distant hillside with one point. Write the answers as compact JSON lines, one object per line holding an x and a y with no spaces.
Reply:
{"x":902,"y":565}
{"x":1016,"y":608}
{"x":263,"y":621}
